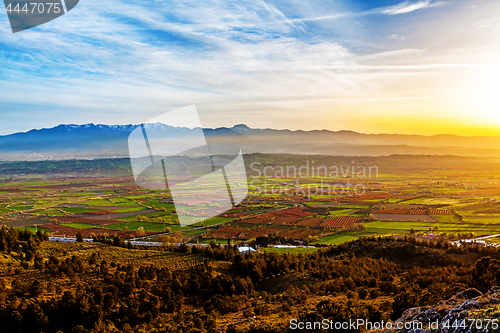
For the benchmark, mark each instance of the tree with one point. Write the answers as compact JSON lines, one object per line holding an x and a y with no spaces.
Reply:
{"x":162,"y":220}
{"x":485,"y":273}
{"x":362,"y":293}
{"x":374,"y":293}
{"x":36,"y":288}
{"x":79,"y":237}
{"x":140,"y":231}
{"x":403,"y":301}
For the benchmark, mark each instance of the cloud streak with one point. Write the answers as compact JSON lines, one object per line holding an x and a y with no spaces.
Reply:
{"x":404,"y":7}
{"x":401,"y":8}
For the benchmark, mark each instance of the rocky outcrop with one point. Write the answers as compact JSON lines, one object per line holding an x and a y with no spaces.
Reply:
{"x":469,"y":311}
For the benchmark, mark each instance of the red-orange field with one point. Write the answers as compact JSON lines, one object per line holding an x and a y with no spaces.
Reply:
{"x":298,"y":211}
{"x":298,"y":233}
{"x":226,"y":232}
{"x":440,"y":212}
{"x":310,"y":221}
{"x":280,"y":220}
{"x":258,"y":232}
{"x":340,"y":221}
{"x":261,"y":219}
{"x":411,"y":211}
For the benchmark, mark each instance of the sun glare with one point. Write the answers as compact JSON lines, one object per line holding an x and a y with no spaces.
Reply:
{"x":484,"y":100}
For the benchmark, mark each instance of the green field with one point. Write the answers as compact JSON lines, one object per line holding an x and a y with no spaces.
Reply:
{"x":79,"y":225}
{"x":447,"y":218}
{"x":314,"y":203}
{"x":52,"y":213}
{"x":166,"y":215}
{"x":393,"y":200}
{"x":32,"y":229}
{"x":21,"y":207}
{"x":122,"y":200}
{"x":96,"y":203}
{"x":148,"y":226}
{"x":398,"y":228}
{"x":128,"y":210}
{"x":5,"y":210}
{"x":212,"y":221}
{"x":344,"y":212}
{"x":385,"y":228}
{"x":432,"y":201}
{"x":196,"y":232}
{"x":338,"y":238}
{"x":78,"y":210}
{"x":482,"y":220}
{"x":158,"y":204}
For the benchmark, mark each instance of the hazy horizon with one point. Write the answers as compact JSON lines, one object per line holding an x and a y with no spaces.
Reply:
{"x":263,"y":128}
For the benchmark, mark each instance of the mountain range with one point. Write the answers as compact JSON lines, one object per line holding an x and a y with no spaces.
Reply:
{"x":99,"y":141}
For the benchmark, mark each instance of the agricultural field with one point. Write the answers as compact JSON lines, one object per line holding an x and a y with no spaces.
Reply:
{"x":338,"y":238}
{"x":404,"y":217}
{"x":399,"y":199}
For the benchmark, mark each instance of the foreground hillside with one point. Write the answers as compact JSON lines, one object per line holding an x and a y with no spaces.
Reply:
{"x":467,"y":311}
{"x":97,"y":287}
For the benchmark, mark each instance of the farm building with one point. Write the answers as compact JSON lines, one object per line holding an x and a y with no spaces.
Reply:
{"x":244,"y":249}
{"x":67,"y":239}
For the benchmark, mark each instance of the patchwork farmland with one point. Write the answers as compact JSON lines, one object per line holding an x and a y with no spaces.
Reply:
{"x":114,"y":205}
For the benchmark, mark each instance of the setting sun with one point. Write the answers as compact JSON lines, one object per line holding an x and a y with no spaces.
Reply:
{"x":484,"y":98}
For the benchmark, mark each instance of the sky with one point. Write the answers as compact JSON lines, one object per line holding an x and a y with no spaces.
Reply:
{"x":386,"y":66}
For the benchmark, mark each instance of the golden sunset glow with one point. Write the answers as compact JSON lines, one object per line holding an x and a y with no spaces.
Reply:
{"x":485,"y":99}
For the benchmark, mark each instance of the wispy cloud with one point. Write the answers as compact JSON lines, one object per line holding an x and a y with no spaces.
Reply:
{"x":404,"y":7}
{"x":400,"y":8}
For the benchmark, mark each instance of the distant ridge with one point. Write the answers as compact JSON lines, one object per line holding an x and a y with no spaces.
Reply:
{"x":98,"y":141}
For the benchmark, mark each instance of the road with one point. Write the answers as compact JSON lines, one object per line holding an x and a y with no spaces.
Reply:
{"x":479,"y":240}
